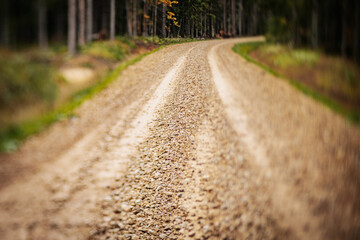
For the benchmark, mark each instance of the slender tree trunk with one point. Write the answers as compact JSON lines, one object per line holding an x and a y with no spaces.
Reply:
{"x":5,"y":27}
{"x":201,"y":25}
{"x":112,"y":20}
{"x":89,"y":20}
{"x":42,"y":25}
{"x":104,"y":20}
{"x":212,"y":22}
{"x":343,"y":28}
{"x":179,"y":29}
{"x":188,"y":30}
{"x":145,"y":20}
{"x":205,"y":27}
{"x":233,"y":18}
{"x":240,"y":17}
{"x":155,"y":17}
{"x":134,"y":18}
{"x":224,"y":16}
{"x":255,"y":18}
{"x":128,"y":18}
{"x":212,"y":28}
{"x":196,"y":32}
{"x":163,"y":29}
{"x":96,"y":14}
{"x":81,"y":37}
{"x":357,"y":30}
{"x":295,"y":32}
{"x":315,"y":25}
{"x":72,"y":27}
{"x":192,"y":29}
{"x":59,"y":28}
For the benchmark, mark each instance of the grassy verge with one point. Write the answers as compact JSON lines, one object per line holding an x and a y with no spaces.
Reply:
{"x":246,"y":49}
{"x":13,"y":135}
{"x":167,"y":41}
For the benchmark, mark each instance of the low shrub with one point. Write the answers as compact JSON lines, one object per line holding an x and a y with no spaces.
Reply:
{"x":24,"y":81}
{"x":115,"y":50}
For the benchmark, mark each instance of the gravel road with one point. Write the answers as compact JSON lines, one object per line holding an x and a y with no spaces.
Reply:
{"x":192,"y":142}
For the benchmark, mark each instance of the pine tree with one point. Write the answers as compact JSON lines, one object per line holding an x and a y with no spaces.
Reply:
{"x":72,"y":27}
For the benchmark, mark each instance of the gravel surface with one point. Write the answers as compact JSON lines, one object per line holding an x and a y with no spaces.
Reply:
{"x":192,"y":142}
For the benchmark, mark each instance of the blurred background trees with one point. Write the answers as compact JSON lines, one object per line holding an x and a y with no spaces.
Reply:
{"x":331,"y":25}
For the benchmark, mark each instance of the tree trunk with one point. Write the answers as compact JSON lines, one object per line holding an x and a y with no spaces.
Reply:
{"x":205,"y":27}
{"x":163,"y":29}
{"x":233,"y":18}
{"x":255,"y":18}
{"x":315,"y":25}
{"x":59,"y":27}
{"x":89,"y":20}
{"x":72,"y":27}
{"x":224,"y":16}
{"x":104,"y":20}
{"x":128,"y":17}
{"x":212,"y":22}
{"x":145,"y":20}
{"x":357,"y":30}
{"x":187,"y":29}
{"x":343,"y":29}
{"x":155,"y":18}
{"x":201,"y":26}
{"x":192,"y":29}
{"x":112,"y":20}
{"x":42,"y":25}
{"x":6,"y":29}
{"x":212,"y":28}
{"x":241,"y":17}
{"x":81,"y":37}
{"x":295,"y":27}
{"x":134,"y":18}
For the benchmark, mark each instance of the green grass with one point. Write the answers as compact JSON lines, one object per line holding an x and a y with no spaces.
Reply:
{"x":25,"y":79}
{"x":12,"y":136}
{"x":298,"y":56}
{"x":116,"y":50}
{"x":285,"y":57}
{"x":166,"y":41}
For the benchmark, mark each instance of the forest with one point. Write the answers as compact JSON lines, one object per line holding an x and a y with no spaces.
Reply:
{"x":332,"y":26}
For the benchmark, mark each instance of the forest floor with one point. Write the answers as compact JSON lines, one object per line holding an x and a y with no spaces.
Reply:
{"x":192,"y":142}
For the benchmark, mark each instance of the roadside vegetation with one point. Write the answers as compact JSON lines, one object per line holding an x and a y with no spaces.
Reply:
{"x":36,"y":89}
{"x":334,"y":81}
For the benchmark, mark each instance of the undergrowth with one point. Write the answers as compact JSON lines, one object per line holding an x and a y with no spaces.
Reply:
{"x":115,"y":50}
{"x":12,"y":136}
{"x":284,"y":58}
{"x":24,"y":80}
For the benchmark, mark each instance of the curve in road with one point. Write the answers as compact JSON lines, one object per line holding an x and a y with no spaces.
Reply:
{"x":193,"y":142}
